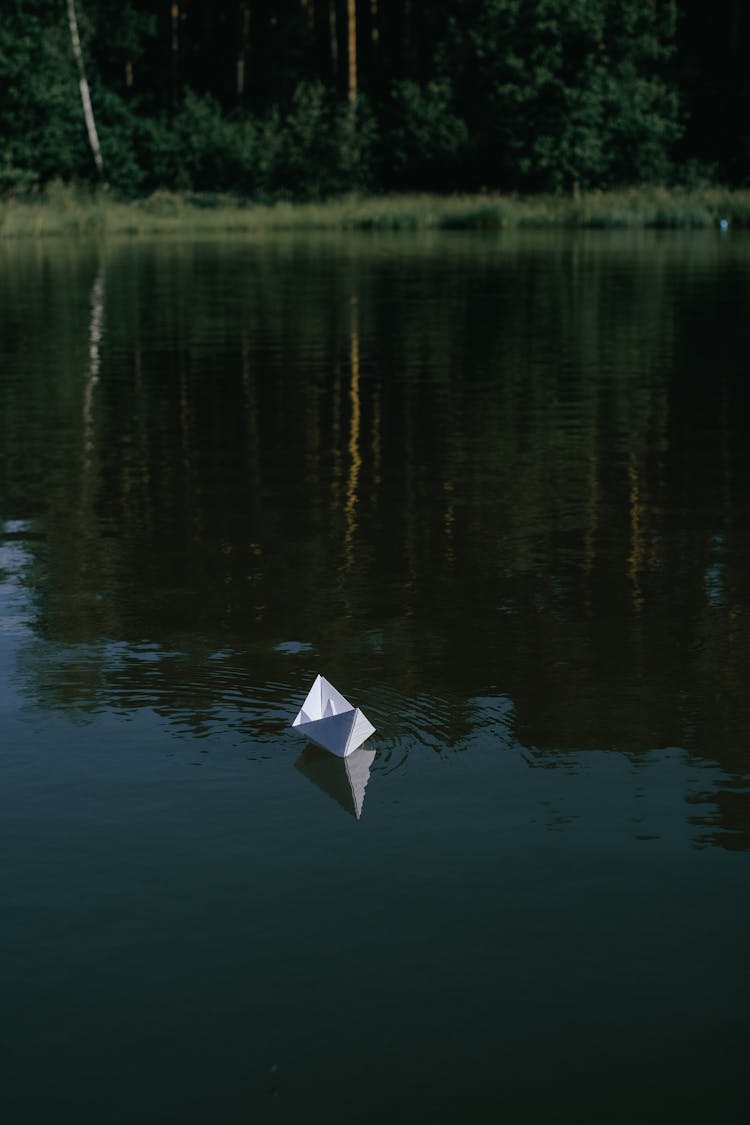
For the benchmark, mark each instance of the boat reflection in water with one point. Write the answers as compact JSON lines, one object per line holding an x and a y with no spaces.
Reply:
{"x":344,"y":779}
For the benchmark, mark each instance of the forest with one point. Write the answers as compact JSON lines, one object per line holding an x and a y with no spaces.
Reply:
{"x":306,"y":99}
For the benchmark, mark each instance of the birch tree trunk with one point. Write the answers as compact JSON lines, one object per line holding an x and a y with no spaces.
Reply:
{"x":88,"y":112}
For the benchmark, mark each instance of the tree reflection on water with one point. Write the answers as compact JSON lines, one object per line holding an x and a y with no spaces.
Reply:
{"x":455,"y":467}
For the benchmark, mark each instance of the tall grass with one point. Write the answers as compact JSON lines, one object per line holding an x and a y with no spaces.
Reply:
{"x":68,"y":211}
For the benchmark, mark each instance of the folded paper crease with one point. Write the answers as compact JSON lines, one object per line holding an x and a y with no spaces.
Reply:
{"x":329,"y":720}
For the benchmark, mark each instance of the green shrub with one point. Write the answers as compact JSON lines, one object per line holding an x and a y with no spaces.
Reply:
{"x":199,"y":149}
{"x":317,"y":148}
{"x":426,"y":142}
{"x":15,"y":180}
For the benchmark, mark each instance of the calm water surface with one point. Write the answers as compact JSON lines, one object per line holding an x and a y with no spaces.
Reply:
{"x":497,"y":489}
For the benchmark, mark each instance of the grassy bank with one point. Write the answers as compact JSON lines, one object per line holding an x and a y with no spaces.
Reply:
{"x":68,"y":211}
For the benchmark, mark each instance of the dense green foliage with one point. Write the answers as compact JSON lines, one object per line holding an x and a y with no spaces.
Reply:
{"x":259,"y":98}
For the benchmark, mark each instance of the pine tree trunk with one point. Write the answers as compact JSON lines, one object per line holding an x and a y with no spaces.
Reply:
{"x":242,"y":54}
{"x":88,"y":112}
{"x":174,"y":18}
{"x":333,"y":32}
{"x":352,"y":40}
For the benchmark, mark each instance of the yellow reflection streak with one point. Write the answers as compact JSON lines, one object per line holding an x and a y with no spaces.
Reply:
{"x":252,"y":426}
{"x":592,"y":515}
{"x":448,"y":523}
{"x":355,"y":458}
{"x":635,"y":559}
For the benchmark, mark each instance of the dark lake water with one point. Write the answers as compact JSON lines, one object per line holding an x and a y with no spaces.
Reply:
{"x":497,"y":489}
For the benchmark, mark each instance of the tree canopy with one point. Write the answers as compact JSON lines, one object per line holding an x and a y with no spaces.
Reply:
{"x":310,"y":97}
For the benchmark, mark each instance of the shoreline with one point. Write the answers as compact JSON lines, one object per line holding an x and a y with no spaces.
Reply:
{"x":69,"y":211}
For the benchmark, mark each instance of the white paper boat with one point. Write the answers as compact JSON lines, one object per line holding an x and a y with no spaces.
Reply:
{"x":344,"y":779}
{"x":330,"y":721}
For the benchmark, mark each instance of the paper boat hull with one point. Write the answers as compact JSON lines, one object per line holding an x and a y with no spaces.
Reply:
{"x":330,"y":721}
{"x":340,"y":734}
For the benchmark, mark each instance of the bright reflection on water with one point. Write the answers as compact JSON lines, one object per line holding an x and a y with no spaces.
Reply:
{"x":496,"y":489}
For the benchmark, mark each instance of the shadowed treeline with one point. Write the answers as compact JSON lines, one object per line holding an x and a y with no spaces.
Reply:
{"x":455,"y":466}
{"x":312,"y":98}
